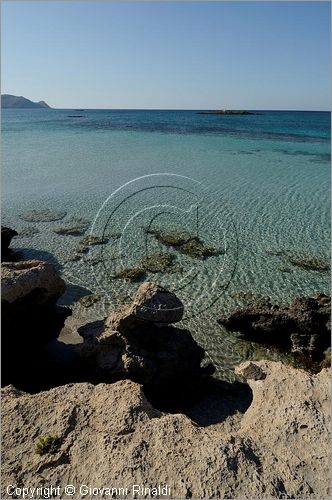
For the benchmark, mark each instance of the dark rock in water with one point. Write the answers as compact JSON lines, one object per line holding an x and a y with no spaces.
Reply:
{"x":160,"y":262}
{"x":131,"y":343}
{"x":89,"y":241}
{"x":73,"y":227}
{"x":302,"y":260}
{"x":185,"y":243}
{"x":46,"y":215}
{"x":89,"y":300}
{"x":131,"y":274}
{"x":304,"y":326}
{"x":7,"y":234}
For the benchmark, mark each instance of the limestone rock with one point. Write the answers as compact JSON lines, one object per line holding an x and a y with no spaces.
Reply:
{"x":30,"y":317}
{"x":112,"y":436}
{"x":19,"y":280}
{"x":135,"y":342}
{"x":154,"y":303}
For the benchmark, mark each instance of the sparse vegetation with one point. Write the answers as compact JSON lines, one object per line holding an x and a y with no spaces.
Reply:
{"x":48,"y":444}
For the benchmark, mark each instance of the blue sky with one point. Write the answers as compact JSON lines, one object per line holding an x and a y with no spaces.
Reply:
{"x":237,"y":55}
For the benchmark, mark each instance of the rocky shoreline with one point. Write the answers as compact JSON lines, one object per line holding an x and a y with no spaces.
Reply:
{"x":112,"y":436}
{"x":303,"y":327}
{"x":135,"y":402}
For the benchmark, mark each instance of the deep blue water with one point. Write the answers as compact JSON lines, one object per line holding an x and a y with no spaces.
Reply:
{"x":283,"y":125}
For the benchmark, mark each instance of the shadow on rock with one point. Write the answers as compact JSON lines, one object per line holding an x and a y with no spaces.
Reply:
{"x":73,"y":293}
{"x":222,"y":399}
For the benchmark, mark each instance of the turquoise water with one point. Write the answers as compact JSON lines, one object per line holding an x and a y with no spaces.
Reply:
{"x":252,"y":186}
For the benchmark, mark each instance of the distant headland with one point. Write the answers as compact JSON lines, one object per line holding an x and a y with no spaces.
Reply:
{"x":20,"y":102}
{"x":226,"y":112}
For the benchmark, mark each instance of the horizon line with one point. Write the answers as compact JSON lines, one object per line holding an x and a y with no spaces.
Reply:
{"x":84,"y":108}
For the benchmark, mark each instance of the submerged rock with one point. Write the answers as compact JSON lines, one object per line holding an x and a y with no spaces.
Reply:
{"x":159,"y":262}
{"x":89,"y":241}
{"x":302,"y":260}
{"x":45,"y":215}
{"x":281,"y":448}
{"x":304,"y":326}
{"x":74,"y":227}
{"x":7,"y":234}
{"x":89,"y":300}
{"x":28,"y":232}
{"x":184,"y":243}
{"x":131,"y":274}
{"x":92,"y":240}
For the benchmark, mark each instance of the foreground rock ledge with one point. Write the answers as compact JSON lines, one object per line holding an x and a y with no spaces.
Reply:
{"x":112,"y":436}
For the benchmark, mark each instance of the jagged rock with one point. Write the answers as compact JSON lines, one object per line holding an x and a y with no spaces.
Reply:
{"x":7,"y":234}
{"x":280,"y":448}
{"x":21,"y":280}
{"x":135,"y":343}
{"x":304,"y":326}
{"x":153,"y":303}
{"x":30,"y":316}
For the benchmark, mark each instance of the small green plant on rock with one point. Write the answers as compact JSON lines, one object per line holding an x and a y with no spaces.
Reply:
{"x":48,"y":444}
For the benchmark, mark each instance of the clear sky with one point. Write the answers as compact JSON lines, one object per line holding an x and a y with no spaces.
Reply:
{"x":236,"y":55}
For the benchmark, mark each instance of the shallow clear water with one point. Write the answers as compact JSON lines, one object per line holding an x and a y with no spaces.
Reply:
{"x":251,"y":186}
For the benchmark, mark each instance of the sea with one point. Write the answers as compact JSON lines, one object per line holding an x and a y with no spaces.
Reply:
{"x":253,"y":189}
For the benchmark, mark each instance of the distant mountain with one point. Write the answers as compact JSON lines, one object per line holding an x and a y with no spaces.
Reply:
{"x":20,"y":102}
